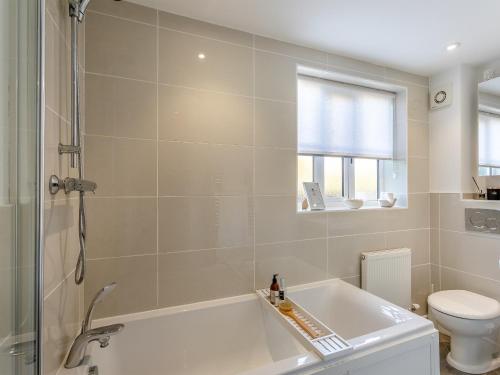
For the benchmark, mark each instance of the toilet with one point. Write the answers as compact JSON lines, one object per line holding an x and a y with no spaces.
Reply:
{"x":473,"y":322}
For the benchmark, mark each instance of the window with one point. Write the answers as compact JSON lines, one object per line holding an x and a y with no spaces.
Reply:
{"x":489,"y":153}
{"x":345,"y":137}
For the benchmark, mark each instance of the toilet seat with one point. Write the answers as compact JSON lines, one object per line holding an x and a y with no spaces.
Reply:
{"x":465,"y":304}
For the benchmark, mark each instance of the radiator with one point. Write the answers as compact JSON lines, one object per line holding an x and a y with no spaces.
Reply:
{"x":387,"y":274}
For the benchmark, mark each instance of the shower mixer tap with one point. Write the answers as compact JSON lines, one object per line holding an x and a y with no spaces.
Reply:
{"x":88,"y":334}
{"x":70,"y":184}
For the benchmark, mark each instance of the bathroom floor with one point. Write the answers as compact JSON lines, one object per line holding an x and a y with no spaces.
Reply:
{"x":446,"y":369}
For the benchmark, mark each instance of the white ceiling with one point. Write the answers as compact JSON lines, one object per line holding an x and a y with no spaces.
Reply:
{"x":491,"y":87}
{"x":409,"y":35}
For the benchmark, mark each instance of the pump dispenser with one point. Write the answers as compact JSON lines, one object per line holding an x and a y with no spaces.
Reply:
{"x":274,"y":290}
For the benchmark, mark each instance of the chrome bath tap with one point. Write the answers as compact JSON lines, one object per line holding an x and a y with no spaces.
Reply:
{"x":87,"y":335}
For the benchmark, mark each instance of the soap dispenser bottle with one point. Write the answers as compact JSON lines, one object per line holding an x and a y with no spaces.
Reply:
{"x":274,"y":290}
{"x":282,"y":290}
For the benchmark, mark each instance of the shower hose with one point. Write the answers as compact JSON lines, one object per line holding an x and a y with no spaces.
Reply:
{"x":82,"y":222}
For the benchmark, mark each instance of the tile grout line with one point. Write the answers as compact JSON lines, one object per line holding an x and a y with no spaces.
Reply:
{"x":325,"y":63}
{"x":254,"y":246}
{"x":327,"y":245}
{"x":59,"y":285}
{"x":157,"y":160}
{"x":439,"y":243}
{"x":154,"y":25}
{"x":471,"y":274}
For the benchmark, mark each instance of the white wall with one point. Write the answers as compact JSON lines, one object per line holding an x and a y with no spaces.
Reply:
{"x":452,"y":133}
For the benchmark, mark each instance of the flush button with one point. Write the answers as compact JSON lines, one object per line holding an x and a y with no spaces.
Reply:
{"x":477,"y":220}
{"x":491,"y":223}
{"x":482,"y":220}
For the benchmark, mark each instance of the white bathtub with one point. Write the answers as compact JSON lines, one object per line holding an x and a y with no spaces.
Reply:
{"x":239,"y":336}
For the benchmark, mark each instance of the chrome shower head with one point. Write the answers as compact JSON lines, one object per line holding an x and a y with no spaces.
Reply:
{"x":103,"y":293}
{"x":100,"y":295}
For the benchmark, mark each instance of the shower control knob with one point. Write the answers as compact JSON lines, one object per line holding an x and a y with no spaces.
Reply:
{"x":55,"y":184}
{"x":70,"y":184}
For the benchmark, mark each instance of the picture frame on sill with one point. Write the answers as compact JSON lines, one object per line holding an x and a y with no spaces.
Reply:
{"x":314,"y":196}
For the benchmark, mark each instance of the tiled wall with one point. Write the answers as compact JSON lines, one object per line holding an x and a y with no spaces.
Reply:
{"x":196,"y":165}
{"x":460,"y":259}
{"x":62,"y":305}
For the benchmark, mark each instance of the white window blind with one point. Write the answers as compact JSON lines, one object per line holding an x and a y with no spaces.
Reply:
{"x":489,"y":134}
{"x":336,"y":118}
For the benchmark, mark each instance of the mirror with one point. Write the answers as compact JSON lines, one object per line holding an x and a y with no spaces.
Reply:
{"x":489,"y":127}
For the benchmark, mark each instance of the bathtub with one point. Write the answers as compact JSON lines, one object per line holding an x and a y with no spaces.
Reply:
{"x":239,"y":335}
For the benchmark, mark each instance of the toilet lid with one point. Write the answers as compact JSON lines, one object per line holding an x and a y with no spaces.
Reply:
{"x":464,"y":304}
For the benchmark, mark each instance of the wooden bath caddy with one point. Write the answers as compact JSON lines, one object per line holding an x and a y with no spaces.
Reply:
{"x":327,"y":344}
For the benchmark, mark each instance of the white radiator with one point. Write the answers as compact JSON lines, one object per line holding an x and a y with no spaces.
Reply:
{"x":387,"y":274}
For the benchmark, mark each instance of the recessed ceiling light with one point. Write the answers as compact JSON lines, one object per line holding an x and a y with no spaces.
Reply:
{"x":452,"y":46}
{"x":201,"y":56}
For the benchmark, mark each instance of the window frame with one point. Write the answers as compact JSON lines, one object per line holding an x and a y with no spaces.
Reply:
{"x":348,"y":177}
{"x":489,"y":170}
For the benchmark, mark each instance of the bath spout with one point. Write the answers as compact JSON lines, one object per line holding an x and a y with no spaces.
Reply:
{"x":78,"y":349}
{"x":101,"y":334}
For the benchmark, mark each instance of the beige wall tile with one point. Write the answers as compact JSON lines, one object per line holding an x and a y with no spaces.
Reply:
{"x":406,"y":77}
{"x":120,"y":226}
{"x":453,"y":279}
{"x":57,"y":73}
{"x":472,"y":253}
{"x":136,"y":289}
{"x":417,"y":240}
{"x":276,"y":219}
{"x":204,"y":169}
{"x":119,"y":47}
{"x":189,"y":223}
{"x":356,"y":222}
{"x":434,"y":210}
{"x":416,"y":216}
{"x":298,"y":262}
{"x":344,"y":253}
{"x":202,"y":275}
{"x":226,"y":68}
{"x":435,"y":278}
{"x":56,"y":131}
{"x":60,"y":325}
{"x":418,"y":99}
{"x":99,"y":163}
{"x":124,"y":9}
{"x":58,"y":10}
{"x":418,"y":175}
{"x":355,"y":65}
{"x":434,"y":246}
{"x":120,"y":107}
{"x":275,"y":77}
{"x":207,"y":30}
{"x":452,"y":213}
{"x":420,"y":286}
{"x":418,"y":139}
{"x":61,"y":241}
{"x":121,"y":166}
{"x":202,"y":116}
{"x":275,"y":171}
{"x":293,"y":50}
{"x":275,"y":124}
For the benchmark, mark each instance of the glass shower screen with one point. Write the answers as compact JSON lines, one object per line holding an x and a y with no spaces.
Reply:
{"x":19,"y":176}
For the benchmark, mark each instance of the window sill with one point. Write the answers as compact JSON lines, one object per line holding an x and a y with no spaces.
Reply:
{"x":493,"y":202}
{"x":346,"y":209}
